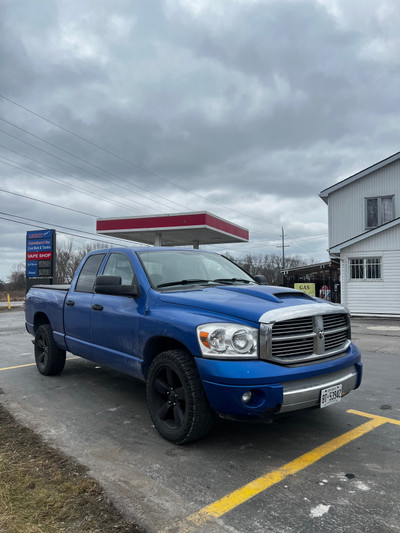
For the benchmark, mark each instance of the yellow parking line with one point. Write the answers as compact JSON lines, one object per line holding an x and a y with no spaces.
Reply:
{"x":255,"y":487}
{"x":18,"y":366}
{"x":29,"y":364}
{"x":376,"y":417}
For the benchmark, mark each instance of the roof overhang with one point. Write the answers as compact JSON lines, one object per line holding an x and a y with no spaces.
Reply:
{"x":380,"y":229}
{"x":181,"y":229}
{"x":314,"y":267}
{"x":326,"y":192}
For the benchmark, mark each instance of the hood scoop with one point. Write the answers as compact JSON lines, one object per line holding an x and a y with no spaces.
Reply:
{"x":292,"y":294}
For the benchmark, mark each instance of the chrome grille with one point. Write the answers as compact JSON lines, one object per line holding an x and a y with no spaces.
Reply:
{"x":298,"y":326}
{"x":306,"y":338}
{"x":335,"y":321}
{"x":283,"y":348}
{"x":335,"y":340}
{"x":336,"y":331}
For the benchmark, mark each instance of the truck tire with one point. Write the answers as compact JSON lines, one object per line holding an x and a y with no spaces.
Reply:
{"x":50,"y":359}
{"x":176,"y":399}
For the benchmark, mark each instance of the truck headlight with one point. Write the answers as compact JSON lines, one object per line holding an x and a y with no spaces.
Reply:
{"x":230,"y":341}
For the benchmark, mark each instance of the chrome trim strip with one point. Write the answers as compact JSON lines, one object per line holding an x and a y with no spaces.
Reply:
{"x":304,"y":393}
{"x":322,"y":385}
{"x":300,"y":311}
{"x":336,"y":330}
{"x":296,"y":337}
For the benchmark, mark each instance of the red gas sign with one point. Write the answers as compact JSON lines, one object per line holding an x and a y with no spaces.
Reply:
{"x":35,"y":256}
{"x":45,"y":255}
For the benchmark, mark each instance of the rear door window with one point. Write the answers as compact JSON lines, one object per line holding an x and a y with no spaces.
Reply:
{"x":88,"y":273}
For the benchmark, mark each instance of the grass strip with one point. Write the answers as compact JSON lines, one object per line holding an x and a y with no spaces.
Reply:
{"x":43,"y":491}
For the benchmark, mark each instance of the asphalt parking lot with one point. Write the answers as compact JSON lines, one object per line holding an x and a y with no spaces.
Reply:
{"x":336,"y":469}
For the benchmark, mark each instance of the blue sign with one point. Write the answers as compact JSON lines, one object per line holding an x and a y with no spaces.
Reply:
{"x":31,"y":269}
{"x":39,"y":247}
{"x":40,"y":253}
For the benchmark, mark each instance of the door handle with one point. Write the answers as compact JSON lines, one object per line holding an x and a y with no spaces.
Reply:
{"x":97,"y":307}
{"x":71,"y":303}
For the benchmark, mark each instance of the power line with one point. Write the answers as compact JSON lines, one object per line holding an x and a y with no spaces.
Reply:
{"x":51,"y":167}
{"x":48,"y":203}
{"x":41,"y":226}
{"x":59,"y":182}
{"x":44,"y":225}
{"x":27,"y":169}
{"x":254,"y":243}
{"x":87,"y":235}
{"x":64,"y":161}
{"x":143,"y":169}
{"x":121,"y":158}
{"x":91,"y":164}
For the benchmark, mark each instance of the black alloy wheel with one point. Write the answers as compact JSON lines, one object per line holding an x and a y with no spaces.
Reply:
{"x":50,"y":359}
{"x":177,"y":403}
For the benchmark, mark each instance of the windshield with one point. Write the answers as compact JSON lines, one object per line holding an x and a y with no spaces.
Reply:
{"x":179,"y":267}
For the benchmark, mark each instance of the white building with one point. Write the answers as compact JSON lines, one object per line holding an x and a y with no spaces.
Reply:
{"x":364,"y":233}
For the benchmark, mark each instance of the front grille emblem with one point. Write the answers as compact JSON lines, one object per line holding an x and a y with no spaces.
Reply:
{"x":321,"y":335}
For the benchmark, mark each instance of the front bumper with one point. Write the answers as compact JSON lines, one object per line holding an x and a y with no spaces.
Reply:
{"x":275,"y":389}
{"x":305,"y":393}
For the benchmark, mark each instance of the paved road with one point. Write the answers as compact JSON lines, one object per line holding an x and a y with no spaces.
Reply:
{"x":13,"y":305}
{"x":99,"y":417}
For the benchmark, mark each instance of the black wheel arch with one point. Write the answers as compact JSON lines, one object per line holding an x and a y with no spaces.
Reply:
{"x":157,"y":345}
{"x":40,"y":319}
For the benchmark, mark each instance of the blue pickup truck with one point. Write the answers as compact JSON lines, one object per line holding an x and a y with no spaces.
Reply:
{"x":204,"y":335}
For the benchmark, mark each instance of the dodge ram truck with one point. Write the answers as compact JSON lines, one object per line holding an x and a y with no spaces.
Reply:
{"x":205,"y":336}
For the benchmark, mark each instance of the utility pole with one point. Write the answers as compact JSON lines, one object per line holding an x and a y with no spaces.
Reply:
{"x":283,"y":251}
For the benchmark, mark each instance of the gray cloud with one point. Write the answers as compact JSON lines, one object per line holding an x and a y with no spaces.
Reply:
{"x":245,"y":108}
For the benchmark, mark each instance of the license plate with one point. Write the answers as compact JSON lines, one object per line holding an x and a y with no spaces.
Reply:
{"x":331,"y":395}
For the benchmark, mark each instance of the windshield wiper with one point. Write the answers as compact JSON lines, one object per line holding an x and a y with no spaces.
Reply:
{"x":185,"y":282}
{"x":230,"y":281}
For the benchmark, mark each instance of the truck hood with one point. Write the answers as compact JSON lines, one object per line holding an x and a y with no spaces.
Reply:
{"x":245,"y":302}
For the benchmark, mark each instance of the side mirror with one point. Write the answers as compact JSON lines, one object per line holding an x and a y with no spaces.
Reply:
{"x":260,"y":279}
{"x":112,"y":285}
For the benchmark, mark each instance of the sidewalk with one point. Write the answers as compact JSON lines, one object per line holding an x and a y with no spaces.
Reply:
{"x":381,"y":335}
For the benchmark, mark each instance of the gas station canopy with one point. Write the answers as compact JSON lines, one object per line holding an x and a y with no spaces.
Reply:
{"x":181,"y":229}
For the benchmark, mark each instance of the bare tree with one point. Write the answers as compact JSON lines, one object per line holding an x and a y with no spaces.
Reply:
{"x":69,"y":257}
{"x":16,"y":280}
{"x":269,"y":265}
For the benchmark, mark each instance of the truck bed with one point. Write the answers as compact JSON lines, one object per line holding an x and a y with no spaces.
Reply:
{"x":46,"y":302}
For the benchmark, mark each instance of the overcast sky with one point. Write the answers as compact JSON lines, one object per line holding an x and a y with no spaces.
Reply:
{"x":244,"y":108}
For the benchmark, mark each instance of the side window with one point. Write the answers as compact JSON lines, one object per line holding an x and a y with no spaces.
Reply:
{"x":379,"y":211}
{"x":365,"y":268}
{"x":88,"y":273}
{"x":120,"y":265}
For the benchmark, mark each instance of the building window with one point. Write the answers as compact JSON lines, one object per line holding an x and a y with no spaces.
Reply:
{"x":356,"y":268}
{"x":365,"y":268}
{"x":379,"y":211}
